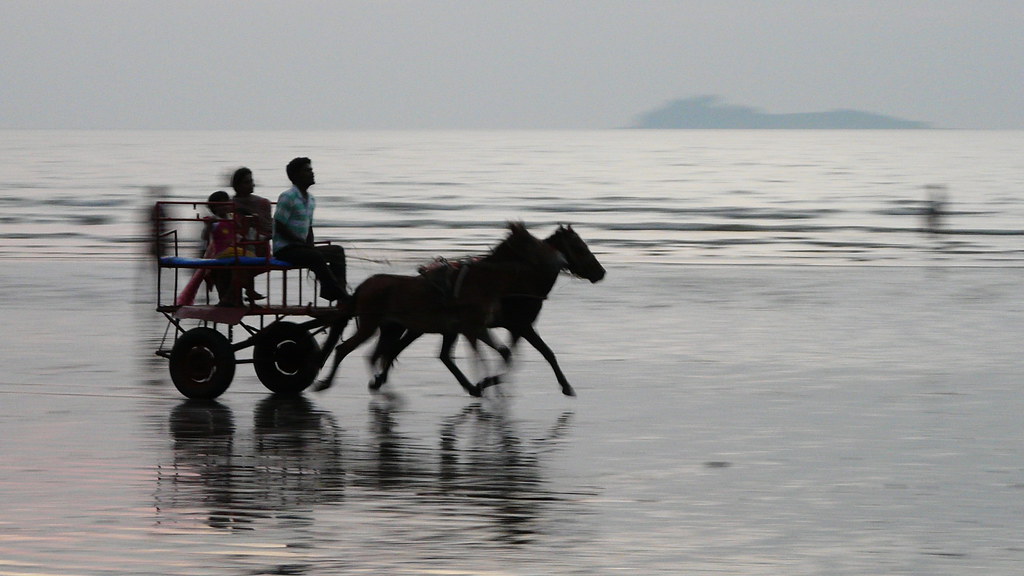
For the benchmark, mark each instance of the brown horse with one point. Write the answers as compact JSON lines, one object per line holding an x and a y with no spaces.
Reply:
{"x":418,"y":304}
{"x":519,"y":307}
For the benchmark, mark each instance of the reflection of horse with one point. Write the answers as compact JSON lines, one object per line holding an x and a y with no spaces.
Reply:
{"x":483,"y":465}
{"x":421,"y":306}
{"x":519,"y":308}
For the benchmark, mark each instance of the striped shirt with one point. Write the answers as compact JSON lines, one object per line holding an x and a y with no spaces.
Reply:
{"x":294,"y":212}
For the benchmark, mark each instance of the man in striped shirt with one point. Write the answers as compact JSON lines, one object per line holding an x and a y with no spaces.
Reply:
{"x":293,"y":233}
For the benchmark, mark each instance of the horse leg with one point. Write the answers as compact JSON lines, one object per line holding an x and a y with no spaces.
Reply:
{"x":506,"y":355}
{"x":365,"y":330}
{"x":388,"y":338}
{"x":483,"y":366}
{"x":333,"y":335}
{"x":486,"y":338}
{"x":531,"y":336}
{"x":387,"y":356}
{"x":447,"y":343}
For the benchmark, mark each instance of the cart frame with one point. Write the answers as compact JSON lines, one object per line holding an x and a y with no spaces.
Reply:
{"x":202,"y":341}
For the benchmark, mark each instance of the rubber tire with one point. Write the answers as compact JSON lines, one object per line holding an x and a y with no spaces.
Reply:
{"x":286,"y":357}
{"x":202,"y":363}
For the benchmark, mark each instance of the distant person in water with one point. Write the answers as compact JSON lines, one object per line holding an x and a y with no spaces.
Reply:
{"x":293,"y":233}
{"x":158,"y":245}
{"x":252,"y":211}
{"x":935,"y":207}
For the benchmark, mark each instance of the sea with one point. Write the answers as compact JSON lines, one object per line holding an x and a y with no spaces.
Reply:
{"x":804,"y":360}
{"x":660,"y":196}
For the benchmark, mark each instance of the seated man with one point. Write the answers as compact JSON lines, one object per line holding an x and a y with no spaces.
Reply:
{"x":253,"y":211}
{"x":293,"y":233}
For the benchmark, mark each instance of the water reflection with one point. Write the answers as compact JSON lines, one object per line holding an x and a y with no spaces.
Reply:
{"x":202,"y":471}
{"x":504,"y":468}
{"x":479,"y":471}
{"x":297,"y":453}
{"x":291,"y":459}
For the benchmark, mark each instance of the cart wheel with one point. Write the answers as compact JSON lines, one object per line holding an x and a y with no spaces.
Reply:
{"x":286,"y":357}
{"x":202,"y":363}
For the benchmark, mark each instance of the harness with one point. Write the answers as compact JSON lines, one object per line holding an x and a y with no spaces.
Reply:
{"x":447,"y":276}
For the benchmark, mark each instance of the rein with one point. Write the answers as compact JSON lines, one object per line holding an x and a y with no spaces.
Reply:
{"x":524,"y":296}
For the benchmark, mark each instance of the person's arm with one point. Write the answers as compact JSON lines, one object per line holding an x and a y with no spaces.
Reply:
{"x":281,"y":228}
{"x":284,"y":231}
{"x":264,"y":220}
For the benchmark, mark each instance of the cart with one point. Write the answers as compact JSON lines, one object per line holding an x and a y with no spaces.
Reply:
{"x":205,"y":341}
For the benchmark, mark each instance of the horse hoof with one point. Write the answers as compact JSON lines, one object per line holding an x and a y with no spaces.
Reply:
{"x":568,"y":391}
{"x":475,"y":392}
{"x":375,"y":384}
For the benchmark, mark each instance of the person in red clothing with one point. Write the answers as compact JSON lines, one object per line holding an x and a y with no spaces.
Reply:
{"x":222,"y":241}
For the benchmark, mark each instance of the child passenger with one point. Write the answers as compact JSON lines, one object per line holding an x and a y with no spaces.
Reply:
{"x":223,"y":239}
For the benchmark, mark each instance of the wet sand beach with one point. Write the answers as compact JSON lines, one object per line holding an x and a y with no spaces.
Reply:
{"x":730,"y":420}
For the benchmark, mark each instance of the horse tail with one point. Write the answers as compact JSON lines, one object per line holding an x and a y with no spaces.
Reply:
{"x":365,"y":298}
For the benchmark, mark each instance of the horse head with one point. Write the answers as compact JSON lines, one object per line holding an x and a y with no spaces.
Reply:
{"x":579,"y":260}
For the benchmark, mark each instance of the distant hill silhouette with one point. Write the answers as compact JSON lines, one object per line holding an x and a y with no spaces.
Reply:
{"x":708,"y":112}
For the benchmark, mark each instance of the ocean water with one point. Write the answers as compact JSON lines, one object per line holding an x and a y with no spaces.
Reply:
{"x":784,"y":372}
{"x":815,"y":197}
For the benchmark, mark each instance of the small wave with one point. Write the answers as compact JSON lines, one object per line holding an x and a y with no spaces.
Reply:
{"x":93,"y":220}
{"x":399,"y":206}
{"x":412,"y":224}
{"x":711,"y":227}
{"x":723,"y":212}
{"x":41,"y":235}
{"x":967,"y":232}
{"x":417,"y":184}
{"x":795,"y":229}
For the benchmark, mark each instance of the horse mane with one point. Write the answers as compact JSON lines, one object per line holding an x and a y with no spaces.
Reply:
{"x":511,"y":248}
{"x":559,"y":232}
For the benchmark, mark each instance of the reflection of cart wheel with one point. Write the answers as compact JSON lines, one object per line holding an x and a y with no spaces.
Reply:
{"x":286,"y":357}
{"x":199,"y":421}
{"x":202,"y":363}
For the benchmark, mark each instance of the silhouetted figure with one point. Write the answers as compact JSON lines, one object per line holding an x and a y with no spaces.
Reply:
{"x":935,"y":207}
{"x":255,"y":208}
{"x":156,"y":241}
{"x":293,"y":233}
{"x":152,"y":242}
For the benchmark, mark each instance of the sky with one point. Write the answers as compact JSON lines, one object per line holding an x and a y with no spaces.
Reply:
{"x":500,"y":64}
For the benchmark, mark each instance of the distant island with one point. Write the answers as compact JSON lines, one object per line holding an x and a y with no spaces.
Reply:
{"x":708,"y":112}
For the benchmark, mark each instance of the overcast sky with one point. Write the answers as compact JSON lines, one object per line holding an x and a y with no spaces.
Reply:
{"x":483,"y":64}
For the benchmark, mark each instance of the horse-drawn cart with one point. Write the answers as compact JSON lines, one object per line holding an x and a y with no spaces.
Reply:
{"x":204,"y":337}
